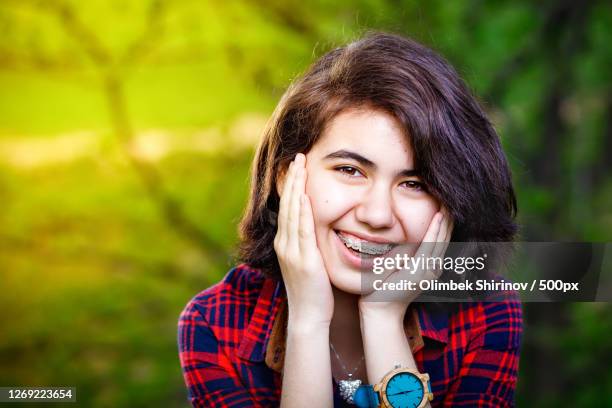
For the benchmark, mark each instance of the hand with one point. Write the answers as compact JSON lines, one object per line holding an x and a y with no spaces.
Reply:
{"x":434,"y":244}
{"x":309,"y":292}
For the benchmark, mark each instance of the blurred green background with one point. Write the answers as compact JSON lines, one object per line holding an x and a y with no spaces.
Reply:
{"x":126,"y":133}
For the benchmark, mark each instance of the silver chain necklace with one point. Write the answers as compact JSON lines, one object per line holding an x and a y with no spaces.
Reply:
{"x":349,"y":386}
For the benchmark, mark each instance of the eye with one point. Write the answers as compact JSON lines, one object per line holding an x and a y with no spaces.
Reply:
{"x":349,"y":171}
{"x":414,"y":185}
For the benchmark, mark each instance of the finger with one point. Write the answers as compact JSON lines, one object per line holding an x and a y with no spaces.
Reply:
{"x":448,"y":225}
{"x":442,"y":233}
{"x":287,"y":183}
{"x":427,"y":245}
{"x":444,"y":241}
{"x":439,"y":252}
{"x":443,"y":226}
{"x":284,"y":202}
{"x":446,"y":228}
{"x":297,"y":189}
{"x":306,"y":228}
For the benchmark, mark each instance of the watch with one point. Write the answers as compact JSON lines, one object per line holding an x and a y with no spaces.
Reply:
{"x":401,"y":387}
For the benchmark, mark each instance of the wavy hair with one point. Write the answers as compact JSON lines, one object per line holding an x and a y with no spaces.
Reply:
{"x":457,"y":150}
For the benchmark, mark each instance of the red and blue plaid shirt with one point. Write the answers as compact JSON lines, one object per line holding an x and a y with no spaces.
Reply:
{"x":231,"y":340}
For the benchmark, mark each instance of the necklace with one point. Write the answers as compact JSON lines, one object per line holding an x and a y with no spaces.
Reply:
{"x":349,"y":386}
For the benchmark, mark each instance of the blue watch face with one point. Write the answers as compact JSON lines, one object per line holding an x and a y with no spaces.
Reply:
{"x":404,"y":390}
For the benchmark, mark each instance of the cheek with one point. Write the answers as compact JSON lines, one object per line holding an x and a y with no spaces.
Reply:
{"x":416,"y":217}
{"x":327,"y":200}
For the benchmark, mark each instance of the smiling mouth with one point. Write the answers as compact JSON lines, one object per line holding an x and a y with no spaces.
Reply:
{"x":363,"y":247}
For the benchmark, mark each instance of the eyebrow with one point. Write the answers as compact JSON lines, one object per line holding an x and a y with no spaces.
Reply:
{"x":347,"y":154}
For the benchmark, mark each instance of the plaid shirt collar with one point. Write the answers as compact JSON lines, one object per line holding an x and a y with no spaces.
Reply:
{"x":265,"y":335}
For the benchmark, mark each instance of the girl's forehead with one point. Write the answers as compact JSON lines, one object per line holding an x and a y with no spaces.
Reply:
{"x":371,"y":133}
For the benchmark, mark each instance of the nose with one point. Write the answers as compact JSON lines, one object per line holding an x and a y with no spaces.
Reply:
{"x":375,"y":208}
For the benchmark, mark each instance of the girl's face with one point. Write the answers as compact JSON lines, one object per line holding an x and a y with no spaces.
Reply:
{"x":362,"y":186}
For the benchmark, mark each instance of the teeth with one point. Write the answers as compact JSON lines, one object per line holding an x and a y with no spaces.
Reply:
{"x":370,"y":248}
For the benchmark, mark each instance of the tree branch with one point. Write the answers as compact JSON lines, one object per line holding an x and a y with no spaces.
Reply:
{"x":169,"y":207}
{"x":153,"y":31}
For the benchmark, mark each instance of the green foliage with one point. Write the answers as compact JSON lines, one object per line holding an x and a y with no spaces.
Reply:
{"x":126,"y":134}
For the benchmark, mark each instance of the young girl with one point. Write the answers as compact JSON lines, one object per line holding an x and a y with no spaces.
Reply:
{"x":379,"y":143}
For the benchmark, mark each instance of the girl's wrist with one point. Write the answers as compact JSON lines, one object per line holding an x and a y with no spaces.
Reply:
{"x":307,"y":329}
{"x":307,"y":324}
{"x":382,"y":314}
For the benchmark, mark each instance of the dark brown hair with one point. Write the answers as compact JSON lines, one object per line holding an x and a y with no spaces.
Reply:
{"x":457,"y":151}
